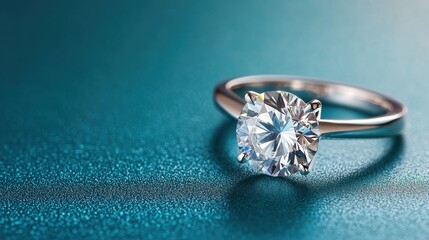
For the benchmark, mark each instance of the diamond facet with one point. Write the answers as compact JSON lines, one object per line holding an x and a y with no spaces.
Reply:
{"x":278,"y":133}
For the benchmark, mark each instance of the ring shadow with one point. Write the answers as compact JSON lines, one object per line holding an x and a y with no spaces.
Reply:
{"x":263,"y":205}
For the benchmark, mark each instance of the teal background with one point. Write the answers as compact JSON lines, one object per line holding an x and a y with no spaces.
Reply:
{"x":108,"y":127}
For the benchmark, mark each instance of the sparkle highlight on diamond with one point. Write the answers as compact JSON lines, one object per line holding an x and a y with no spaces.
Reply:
{"x":278,"y":133}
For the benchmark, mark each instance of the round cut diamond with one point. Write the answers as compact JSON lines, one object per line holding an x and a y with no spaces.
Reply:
{"x":278,"y":133}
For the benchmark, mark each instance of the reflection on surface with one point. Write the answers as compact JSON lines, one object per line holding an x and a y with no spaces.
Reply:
{"x":266,"y":205}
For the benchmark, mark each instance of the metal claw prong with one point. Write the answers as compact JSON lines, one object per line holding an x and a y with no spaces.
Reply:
{"x":251,"y":96}
{"x":315,"y":106}
{"x":304,"y":170}
{"x":242,"y":157}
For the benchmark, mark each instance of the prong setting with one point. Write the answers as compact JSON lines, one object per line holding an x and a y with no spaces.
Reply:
{"x":252,"y":96}
{"x":304,"y":170}
{"x":242,"y":157}
{"x":314,"y":106}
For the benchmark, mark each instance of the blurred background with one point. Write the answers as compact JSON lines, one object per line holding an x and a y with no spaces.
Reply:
{"x":108,"y":128}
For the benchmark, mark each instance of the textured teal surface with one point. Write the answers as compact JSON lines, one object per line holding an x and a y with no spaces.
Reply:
{"x":108,"y":127}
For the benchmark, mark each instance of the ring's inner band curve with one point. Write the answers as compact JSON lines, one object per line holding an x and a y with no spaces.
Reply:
{"x":390,"y":122}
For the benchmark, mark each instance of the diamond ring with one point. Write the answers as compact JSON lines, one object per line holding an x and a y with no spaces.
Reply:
{"x":278,"y":133}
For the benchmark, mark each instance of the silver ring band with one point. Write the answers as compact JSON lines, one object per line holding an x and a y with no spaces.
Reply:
{"x":389,"y":123}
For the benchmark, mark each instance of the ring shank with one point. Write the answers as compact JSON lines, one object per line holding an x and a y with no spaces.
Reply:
{"x":387,"y":124}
